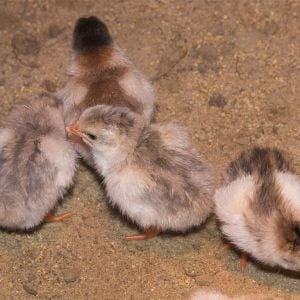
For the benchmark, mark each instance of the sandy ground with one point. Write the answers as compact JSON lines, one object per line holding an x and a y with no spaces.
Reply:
{"x":227,"y":70}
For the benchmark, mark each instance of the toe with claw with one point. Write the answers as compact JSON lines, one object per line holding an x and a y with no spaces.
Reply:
{"x":49,"y":218}
{"x":148,"y":234}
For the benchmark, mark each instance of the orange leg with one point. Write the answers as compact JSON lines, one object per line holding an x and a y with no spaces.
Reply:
{"x":243,"y":256}
{"x":148,"y":234}
{"x":243,"y":260}
{"x":49,"y":218}
{"x":227,"y":246}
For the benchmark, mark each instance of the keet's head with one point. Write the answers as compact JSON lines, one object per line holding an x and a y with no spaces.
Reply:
{"x":90,"y":34}
{"x":288,"y":243}
{"x":278,"y":240}
{"x":105,"y":128}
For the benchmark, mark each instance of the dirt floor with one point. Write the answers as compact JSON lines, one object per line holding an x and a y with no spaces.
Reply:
{"x":228,"y":70}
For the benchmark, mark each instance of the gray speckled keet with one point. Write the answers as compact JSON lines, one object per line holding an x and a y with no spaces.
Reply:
{"x":151,"y":172}
{"x":37,"y":163}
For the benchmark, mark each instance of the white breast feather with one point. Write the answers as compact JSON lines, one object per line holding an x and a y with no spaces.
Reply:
{"x":126,"y":190}
{"x":290,"y":188}
{"x":232,"y":203}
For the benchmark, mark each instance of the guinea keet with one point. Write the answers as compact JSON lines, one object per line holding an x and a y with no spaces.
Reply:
{"x":100,"y":73}
{"x":151,"y":172}
{"x":37,"y":163}
{"x":258,"y":207}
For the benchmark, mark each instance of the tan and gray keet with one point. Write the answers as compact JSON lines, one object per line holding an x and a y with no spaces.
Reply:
{"x":100,"y":73}
{"x":205,"y":294}
{"x":151,"y":172}
{"x":37,"y":163}
{"x":259,"y":207}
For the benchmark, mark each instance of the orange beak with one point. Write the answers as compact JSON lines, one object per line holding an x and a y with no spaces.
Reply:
{"x":74,"y":129}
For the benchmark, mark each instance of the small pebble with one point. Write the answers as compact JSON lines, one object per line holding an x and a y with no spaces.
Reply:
{"x":201,"y":282}
{"x":54,"y":31}
{"x":208,"y":53}
{"x":64,"y":253}
{"x":217,"y":100}
{"x":270,"y":28}
{"x":29,"y":289}
{"x":25,"y":44}
{"x":196,"y":247}
{"x":190,"y":273}
{"x":31,"y":276}
{"x":71,"y":275}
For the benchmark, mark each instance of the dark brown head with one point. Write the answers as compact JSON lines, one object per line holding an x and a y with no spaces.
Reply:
{"x":90,"y":34}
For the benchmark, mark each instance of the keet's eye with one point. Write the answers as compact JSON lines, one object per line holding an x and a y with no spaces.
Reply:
{"x":296,"y":245}
{"x":91,"y":136}
{"x":297,"y":230}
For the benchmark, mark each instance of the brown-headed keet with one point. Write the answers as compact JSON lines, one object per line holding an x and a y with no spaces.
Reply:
{"x":37,"y":163}
{"x":151,"y":172}
{"x":100,"y":73}
{"x":259,"y":207}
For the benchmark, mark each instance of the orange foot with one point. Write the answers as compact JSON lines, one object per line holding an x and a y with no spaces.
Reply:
{"x":51,"y":218}
{"x":243,"y":260}
{"x":227,"y":246}
{"x":148,"y":234}
{"x":243,"y":256}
